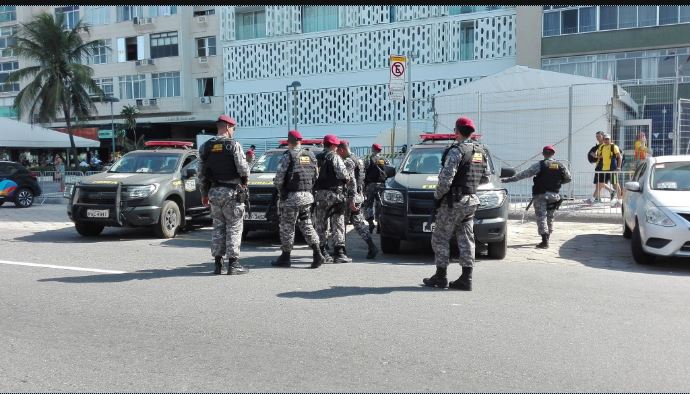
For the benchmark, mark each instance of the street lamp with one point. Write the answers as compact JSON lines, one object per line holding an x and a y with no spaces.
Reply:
{"x":111,"y":99}
{"x":294,"y":85}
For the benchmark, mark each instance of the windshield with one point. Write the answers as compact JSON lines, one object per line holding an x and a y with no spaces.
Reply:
{"x":268,"y":162}
{"x":147,"y":163}
{"x":428,"y":161}
{"x":671,"y":176}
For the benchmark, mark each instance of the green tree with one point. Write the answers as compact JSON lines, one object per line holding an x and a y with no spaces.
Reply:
{"x":59,"y":83}
{"x":129,"y":114}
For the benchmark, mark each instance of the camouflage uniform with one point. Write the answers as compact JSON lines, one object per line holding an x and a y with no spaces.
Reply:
{"x":357,"y":198}
{"x":226,"y":212}
{"x":371,"y":190}
{"x":326,"y":200}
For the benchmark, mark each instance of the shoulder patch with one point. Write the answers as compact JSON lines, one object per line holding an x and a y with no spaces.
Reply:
{"x":554,"y":166}
{"x":381,"y":162}
{"x":304,"y":160}
{"x":217,"y":148}
{"x":477,"y":157}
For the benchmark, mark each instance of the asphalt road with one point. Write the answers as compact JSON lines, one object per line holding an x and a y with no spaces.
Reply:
{"x":578,"y":317}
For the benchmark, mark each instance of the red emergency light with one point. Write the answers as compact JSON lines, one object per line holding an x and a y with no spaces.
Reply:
{"x":437,"y":137}
{"x":304,"y":142}
{"x":169,"y":144}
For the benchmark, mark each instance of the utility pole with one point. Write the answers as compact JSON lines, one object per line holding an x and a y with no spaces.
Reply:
{"x":408,"y":99}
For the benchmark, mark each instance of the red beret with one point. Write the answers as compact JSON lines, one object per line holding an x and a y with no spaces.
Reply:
{"x":227,"y":119}
{"x":331,"y":139}
{"x":549,"y":147}
{"x":464,"y":121}
{"x":295,"y":135}
{"x":377,"y":147}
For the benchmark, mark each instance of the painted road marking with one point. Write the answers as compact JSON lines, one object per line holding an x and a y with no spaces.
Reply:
{"x":62,"y":267}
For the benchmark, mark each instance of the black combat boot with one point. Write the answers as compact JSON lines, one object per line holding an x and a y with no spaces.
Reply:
{"x":235,"y":268}
{"x":464,"y":282}
{"x":327,"y":259}
{"x":371,"y":225}
{"x":219,"y":265}
{"x":283,"y":260}
{"x":544,"y":242}
{"x":318,"y":257}
{"x":439,"y":279}
{"x":373,"y":250}
{"x":378,"y":228}
{"x":340,"y":256}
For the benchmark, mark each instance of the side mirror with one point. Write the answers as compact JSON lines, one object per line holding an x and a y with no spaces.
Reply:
{"x":190,"y":172}
{"x":633,"y":186}
{"x":507,"y":172}
{"x":390,"y":171}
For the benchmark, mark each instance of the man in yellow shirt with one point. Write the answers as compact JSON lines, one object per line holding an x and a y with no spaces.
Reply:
{"x":608,"y":161}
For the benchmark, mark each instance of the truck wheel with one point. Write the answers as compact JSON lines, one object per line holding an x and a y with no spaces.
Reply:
{"x":88,"y":229}
{"x":390,"y":245}
{"x":640,"y":256}
{"x":498,"y":250}
{"x":169,"y":221}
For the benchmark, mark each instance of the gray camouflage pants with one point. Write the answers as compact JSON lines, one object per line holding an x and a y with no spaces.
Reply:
{"x":359,"y":224}
{"x":370,"y":200}
{"x":228,"y":216}
{"x":291,"y":215}
{"x":544,"y":216}
{"x":325,"y":200}
{"x":451,"y":221}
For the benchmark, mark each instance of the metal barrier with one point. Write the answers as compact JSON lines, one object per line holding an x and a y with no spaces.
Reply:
{"x":54,"y":184}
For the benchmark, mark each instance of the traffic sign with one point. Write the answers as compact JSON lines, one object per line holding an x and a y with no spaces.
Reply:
{"x":396,"y":82}
{"x":105,"y":134}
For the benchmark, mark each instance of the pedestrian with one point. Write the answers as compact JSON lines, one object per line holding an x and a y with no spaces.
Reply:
{"x":609,"y":159}
{"x":549,"y":174}
{"x":375,"y":176}
{"x":330,"y":199}
{"x":59,"y":171}
{"x":294,"y":180}
{"x":223,"y":185}
{"x":463,"y":165}
{"x":592,"y":157}
{"x":355,"y":196}
{"x":251,"y":154}
{"x":640,"y":147}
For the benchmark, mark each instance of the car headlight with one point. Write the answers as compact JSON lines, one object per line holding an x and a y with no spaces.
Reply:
{"x":656,"y":216}
{"x":135,"y":192}
{"x":393,"y":197}
{"x":491,"y":199}
{"x":69,"y":188}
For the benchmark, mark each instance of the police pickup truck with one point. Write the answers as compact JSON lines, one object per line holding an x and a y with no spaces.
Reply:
{"x":408,"y":198}
{"x":263,"y":212}
{"x":155,"y":187}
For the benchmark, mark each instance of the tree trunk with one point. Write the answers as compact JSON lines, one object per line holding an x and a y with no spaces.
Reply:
{"x":73,"y":147}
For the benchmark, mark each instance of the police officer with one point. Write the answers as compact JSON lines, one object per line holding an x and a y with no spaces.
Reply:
{"x":294,"y":180}
{"x":223,"y":185}
{"x":330,"y":199}
{"x":375,"y":175}
{"x":355,"y":168}
{"x":464,"y":164}
{"x":549,"y":175}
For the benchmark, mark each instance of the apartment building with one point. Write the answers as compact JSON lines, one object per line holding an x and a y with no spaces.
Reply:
{"x":163,"y":59}
{"x":324,"y":69}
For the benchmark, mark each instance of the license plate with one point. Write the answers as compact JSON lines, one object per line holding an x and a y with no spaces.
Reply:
{"x":97,"y":213}
{"x":428,"y":228}
{"x":255,"y":216}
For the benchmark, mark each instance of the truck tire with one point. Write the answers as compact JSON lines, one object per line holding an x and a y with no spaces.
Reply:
{"x":390,"y":245}
{"x":88,"y":229}
{"x":169,"y":221}
{"x":498,"y":250}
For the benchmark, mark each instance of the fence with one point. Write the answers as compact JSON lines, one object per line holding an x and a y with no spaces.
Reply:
{"x":55,"y":184}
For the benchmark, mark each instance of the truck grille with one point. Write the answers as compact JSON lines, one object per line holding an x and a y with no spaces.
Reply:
{"x":420,"y":203}
{"x":260,"y":197}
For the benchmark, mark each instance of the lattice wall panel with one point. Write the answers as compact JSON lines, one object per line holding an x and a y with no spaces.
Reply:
{"x":282,"y":20}
{"x":227,"y":23}
{"x":494,"y":37}
{"x":372,"y":15}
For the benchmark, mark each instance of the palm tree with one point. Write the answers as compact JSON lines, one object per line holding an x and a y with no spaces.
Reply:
{"x":59,"y":84}
{"x":129,"y":113}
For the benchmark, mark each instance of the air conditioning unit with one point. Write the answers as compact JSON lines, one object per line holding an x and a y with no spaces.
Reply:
{"x":153,"y":102}
{"x":144,"y":62}
{"x":141,"y":21}
{"x":201,"y":19}
{"x":203,"y":60}
{"x":140,"y":102}
{"x":205,"y":100}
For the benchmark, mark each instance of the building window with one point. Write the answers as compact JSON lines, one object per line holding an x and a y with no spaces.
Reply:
{"x":250,"y":25}
{"x":668,"y":14}
{"x":166,"y":84}
{"x":667,"y":66}
{"x":608,"y":18}
{"x":206,"y":46}
{"x":205,"y":87}
{"x":467,"y":41}
{"x":71,"y":14}
{"x":627,"y":17}
{"x":106,"y":85}
{"x":132,"y":87}
{"x":205,"y":12}
{"x":129,"y":12}
{"x":552,"y":23}
{"x":5,"y":70}
{"x":392,"y":14}
{"x":164,"y":44}
{"x":162,"y":10}
{"x":8,"y":13}
{"x":684,"y":13}
{"x":100,"y":54}
{"x":625,"y":69}
{"x":646,"y":15}
{"x":130,"y":49}
{"x":8,"y":112}
{"x":319,"y":18}
{"x":569,"y":21}
{"x":588,"y":19}
{"x":6,"y":40}
{"x":97,"y":15}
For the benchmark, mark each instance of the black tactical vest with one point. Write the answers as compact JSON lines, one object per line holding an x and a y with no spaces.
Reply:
{"x":301,"y":171}
{"x":549,"y":178}
{"x":376,"y":171}
{"x":219,"y":160}
{"x":327,"y":177}
{"x":471,"y":168}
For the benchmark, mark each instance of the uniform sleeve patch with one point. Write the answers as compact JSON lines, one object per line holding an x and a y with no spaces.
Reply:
{"x":477,"y":157}
{"x":553,"y":166}
{"x":382,"y":162}
{"x":304,"y":160}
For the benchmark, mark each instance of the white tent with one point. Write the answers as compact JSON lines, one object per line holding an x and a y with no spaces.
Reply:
{"x":14,"y":134}
{"x":520,"y":110}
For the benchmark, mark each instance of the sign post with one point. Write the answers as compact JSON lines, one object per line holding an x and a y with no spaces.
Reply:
{"x":396,"y":87}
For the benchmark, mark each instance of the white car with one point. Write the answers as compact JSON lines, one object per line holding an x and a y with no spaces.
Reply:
{"x":656,"y":208}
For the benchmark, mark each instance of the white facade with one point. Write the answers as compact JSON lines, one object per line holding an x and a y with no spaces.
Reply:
{"x":344,"y":71}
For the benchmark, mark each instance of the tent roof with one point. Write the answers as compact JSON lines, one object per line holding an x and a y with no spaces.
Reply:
{"x":15,"y":134}
{"x":519,"y":78}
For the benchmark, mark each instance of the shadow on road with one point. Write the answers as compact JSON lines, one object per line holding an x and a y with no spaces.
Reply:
{"x":348,"y":291}
{"x":70,"y":235}
{"x":607,"y":251}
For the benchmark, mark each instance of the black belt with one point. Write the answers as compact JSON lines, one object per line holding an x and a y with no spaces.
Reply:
{"x":224,"y":184}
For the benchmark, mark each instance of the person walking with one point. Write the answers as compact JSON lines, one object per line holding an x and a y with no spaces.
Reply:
{"x":330,"y":188}
{"x":355,"y":196}
{"x":251,"y":154}
{"x":223,"y":185}
{"x":549,"y":174}
{"x":59,"y":171}
{"x":294,"y":181}
{"x":592,"y":158}
{"x":609,"y":161}
{"x":375,"y":176}
{"x":464,"y":164}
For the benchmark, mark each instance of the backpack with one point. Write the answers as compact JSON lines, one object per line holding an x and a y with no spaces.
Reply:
{"x":591,"y":155}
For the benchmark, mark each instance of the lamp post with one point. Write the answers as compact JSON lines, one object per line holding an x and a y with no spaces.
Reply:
{"x":294,"y":85}
{"x":111,"y":99}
